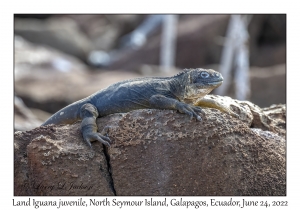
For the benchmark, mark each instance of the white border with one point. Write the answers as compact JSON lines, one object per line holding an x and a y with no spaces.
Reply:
{"x":291,"y":8}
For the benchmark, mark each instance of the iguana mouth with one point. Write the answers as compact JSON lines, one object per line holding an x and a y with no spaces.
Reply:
{"x":213,"y":80}
{"x":210,"y":84}
{"x":215,"y":83}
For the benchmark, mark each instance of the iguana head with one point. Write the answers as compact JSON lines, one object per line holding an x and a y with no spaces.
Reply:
{"x":200,"y":82}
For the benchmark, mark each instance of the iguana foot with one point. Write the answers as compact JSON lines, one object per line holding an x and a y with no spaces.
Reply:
{"x":88,"y":127}
{"x":88,"y":138}
{"x":190,"y":110}
{"x":162,"y":102}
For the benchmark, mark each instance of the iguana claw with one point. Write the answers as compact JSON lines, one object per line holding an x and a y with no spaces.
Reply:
{"x":97,"y":137}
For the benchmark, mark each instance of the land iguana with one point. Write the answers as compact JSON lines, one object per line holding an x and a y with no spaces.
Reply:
{"x":179,"y":92}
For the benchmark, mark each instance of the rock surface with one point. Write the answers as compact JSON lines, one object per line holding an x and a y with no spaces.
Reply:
{"x":156,"y":152}
{"x":271,"y":118}
{"x":54,"y":161}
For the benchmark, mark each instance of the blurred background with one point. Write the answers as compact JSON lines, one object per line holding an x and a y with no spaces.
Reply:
{"x":60,"y":59}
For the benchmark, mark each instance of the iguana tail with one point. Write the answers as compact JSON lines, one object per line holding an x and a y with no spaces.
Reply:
{"x":66,"y":115}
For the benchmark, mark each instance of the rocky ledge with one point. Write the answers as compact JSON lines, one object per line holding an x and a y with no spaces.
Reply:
{"x":158,"y":152}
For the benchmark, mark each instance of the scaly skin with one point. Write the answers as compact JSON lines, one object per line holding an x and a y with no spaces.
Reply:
{"x":179,"y":92}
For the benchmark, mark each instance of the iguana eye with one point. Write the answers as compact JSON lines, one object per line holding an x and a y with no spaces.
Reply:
{"x":204,"y":74}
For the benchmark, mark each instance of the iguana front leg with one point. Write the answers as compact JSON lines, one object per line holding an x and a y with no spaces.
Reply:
{"x":162,"y":102}
{"x":88,"y":127}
